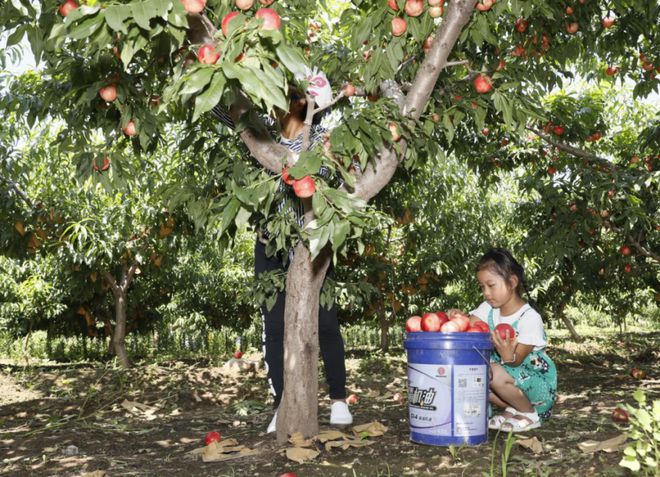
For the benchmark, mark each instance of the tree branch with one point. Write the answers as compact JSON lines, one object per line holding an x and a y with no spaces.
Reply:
{"x":379,"y":172}
{"x":456,"y":63}
{"x":309,"y":118}
{"x":201,"y":29}
{"x":259,"y":142}
{"x":565,"y":147}
{"x":458,"y":14}
{"x":129,"y":276}
{"x":113,"y":283}
{"x":12,"y":185}
{"x":332,"y":103}
{"x":636,"y":243}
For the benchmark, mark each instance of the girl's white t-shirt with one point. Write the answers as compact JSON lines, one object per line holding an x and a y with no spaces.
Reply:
{"x":529,"y":328}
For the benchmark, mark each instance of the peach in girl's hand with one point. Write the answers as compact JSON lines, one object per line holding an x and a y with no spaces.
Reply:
{"x":505,"y":331}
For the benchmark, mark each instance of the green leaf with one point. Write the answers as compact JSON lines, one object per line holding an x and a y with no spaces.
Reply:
{"x":644,"y":420}
{"x":178,"y":17}
{"x":161,"y":8}
{"x":179,"y":35}
{"x":318,"y":240}
{"x":17,"y":5}
{"x":630,"y":463}
{"x":656,"y":410}
{"x":127,"y":52}
{"x":292,"y":59}
{"x":449,"y":127}
{"x":142,"y":13}
{"x":211,"y":96}
{"x":340,"y":233}
{"x":242,"y":217}
{"x":197,"y":80}
{"x":260,"y":86}
{"x":309,"y":163}
{"x":348,"y":177}
{"x":36,"y":44}
{"x":318,"y":204}
{"x":115,"y":15}
{"x":59,"y":30}
{"x":503,"y":106}
{"x":16,"y":37}
{"x":229,"y":213}
{"x":87,"y":27}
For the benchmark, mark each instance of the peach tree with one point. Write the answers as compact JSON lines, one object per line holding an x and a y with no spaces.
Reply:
{"x":89,"y":221}
{"x":413,"y":82}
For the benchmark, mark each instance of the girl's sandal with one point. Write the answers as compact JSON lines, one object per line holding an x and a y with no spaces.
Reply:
{"x":521,"y":422}
{"x":496,"y":422}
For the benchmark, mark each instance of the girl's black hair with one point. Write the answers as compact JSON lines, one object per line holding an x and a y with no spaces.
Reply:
{"x":500,"y":261}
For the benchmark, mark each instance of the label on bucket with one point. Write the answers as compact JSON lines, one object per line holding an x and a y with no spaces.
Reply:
{"x":433,"y":409}
{"x":470,"y":395}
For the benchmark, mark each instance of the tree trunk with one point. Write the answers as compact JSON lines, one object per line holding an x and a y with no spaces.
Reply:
{"x":384,"y":328}
{"x":382,"y":316}
{"x":568,"y":323}
{"x":298,"y":411}
{"x":120,"y":292}
{"x":109,"y":332}
{"x":118,"y":338}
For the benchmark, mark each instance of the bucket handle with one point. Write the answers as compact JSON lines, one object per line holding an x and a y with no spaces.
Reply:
{"x":481,"y":354}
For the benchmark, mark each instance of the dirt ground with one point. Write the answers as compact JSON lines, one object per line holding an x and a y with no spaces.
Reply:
{"x":95,"y":420}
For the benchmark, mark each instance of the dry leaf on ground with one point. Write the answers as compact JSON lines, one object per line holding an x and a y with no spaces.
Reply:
{"x":348,"y":442}
{"x":371,"y":429}
{"x":300,"y":455}
{"x":330,"y":436}
{"x":225,"y":450}
{"x":532,"y":444}
{"x":610,"y":445}
{"x":225,"y":443}
{"x":96,"y":473}
{"x":298,"y":440}
{"x":137,"y":408}
{"x":133,"y":406}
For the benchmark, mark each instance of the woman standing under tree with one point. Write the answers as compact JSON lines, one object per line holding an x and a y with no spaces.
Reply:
{"x":291,"y":135}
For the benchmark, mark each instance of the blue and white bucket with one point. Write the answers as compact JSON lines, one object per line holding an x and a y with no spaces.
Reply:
{"x":448,"y":387}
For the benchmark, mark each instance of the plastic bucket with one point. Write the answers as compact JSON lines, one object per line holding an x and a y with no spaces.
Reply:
{"x":448,"y":387}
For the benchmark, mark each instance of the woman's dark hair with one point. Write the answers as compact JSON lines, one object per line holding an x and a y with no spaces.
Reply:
{"x":295,"y":94}
{"x":501,"y":262}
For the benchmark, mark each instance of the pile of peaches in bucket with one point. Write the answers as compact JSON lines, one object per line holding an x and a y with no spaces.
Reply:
{"x":455,"y":321}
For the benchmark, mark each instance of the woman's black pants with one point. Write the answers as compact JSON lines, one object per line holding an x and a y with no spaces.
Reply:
{"x":330,"y":340}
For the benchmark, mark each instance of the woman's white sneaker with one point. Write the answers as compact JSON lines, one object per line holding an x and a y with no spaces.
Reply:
{"x":340,"y":415}
{"x":272,"y":427}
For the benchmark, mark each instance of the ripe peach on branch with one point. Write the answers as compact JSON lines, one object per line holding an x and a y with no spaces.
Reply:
{"x":270,"y":18}
{"x":483,"y":84}
{"x":130,"y":129}
{"x":193,"y":6}
{"x":108,"y":93}
{"x":207,"y":54}
{"x":244,"y":4}
{"x":414,"y":8}
{"x":485,"y":5}
{"x":67,"y":7}
{"x":399,"y":26}
{"x":224,"y":24}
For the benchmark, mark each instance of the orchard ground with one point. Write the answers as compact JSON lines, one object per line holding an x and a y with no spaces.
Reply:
{"x":46,"y":408}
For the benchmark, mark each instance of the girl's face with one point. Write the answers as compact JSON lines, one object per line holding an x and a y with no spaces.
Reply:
{"x":496,"y":290}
